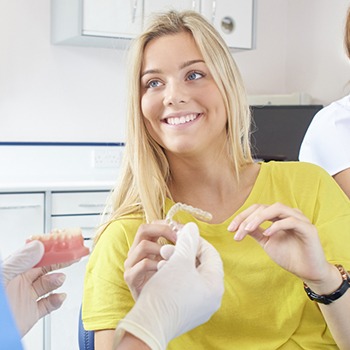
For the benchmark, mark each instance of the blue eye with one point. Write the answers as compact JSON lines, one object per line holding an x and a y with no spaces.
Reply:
{"x":153,"y":84}
{"x":194,"y":76}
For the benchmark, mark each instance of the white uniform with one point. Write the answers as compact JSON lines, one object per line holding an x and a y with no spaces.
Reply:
{"x":327,"y":140}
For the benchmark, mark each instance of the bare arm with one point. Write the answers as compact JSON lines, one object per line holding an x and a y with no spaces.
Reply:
{"x":343,"y":180}
{"x":104,"y":339}
{"x":292,"y":242}
{"x":130,"y":342}
{"x":336,"y":314}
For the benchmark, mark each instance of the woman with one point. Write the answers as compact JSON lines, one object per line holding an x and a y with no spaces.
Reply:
{"x":188,"y":141}
{"x":327,"y":142}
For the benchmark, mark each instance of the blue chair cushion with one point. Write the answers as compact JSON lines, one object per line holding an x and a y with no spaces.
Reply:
{"x":86,"y":338}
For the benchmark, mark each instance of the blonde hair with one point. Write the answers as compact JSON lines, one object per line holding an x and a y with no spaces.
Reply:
{"x":145,"y":173}
{"x":347,"y":34}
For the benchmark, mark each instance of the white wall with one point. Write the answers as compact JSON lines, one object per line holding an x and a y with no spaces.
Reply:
{"x":62,"y":93}
{"x":55,"y":93}
{"x":299,"y":49}
{"x":317,"y":62}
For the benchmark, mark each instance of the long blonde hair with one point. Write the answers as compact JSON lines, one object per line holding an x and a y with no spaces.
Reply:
{"x":145,"y":171}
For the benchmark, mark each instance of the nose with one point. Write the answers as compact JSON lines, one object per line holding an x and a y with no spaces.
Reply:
{"x":175,"y":93}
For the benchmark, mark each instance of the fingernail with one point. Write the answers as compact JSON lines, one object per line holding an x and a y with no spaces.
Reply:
{"x":62,"y":297}
{"x":249,"y":226}
{"x":267,"y":232}
{"x":237,"y":236}
{"x":61,"y":279}
{"x":232,"y":226}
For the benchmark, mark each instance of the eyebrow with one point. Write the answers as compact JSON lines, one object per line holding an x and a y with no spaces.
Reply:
{"x":182,"y":66}
{"x":189,"y":63}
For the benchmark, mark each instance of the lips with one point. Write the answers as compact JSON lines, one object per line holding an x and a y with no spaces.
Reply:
{"x":183,"y":119}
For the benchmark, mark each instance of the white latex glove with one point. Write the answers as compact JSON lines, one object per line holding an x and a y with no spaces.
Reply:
{"x":25,"y":286}
{"x":180,"y":296}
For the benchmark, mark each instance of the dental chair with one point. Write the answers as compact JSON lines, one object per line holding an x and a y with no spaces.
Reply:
{"x":86,"y":338}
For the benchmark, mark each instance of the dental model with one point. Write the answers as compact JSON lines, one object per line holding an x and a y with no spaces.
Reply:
{"x":61,"y":246}
{"x":197,"y":213}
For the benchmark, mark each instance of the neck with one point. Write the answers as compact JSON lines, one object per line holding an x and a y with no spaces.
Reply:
{"x":211,"y":185}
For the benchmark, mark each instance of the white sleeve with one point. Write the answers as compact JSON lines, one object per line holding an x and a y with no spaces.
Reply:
{"x":327,"y":140}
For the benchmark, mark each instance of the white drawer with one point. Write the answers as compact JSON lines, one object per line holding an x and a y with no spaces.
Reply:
{"x":71,"y":203}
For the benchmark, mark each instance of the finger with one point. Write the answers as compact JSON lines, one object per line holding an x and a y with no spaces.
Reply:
{"x":210,"y":261}
{"x":152,"y":232}
{"x":22,"y":260}
{"x":145,"y":249}
{"x":237,"y":221}
{"x":161,"y":264}
{"x":35,"y":273}
{"x":186,"y":246}
{"x":140,"y":273}
{"x":300,"y":228}
{"x":50,"y":303}
{"x":166,"y":251}
{"x":53,"y":267}
{"x":272,"y":213}
{"x":48,"y":283}
{"x":242,"y":220}
{"x":187,"y":242}
{"x":212,"y":271}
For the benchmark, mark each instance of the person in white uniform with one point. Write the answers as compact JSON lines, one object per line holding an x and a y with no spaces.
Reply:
{"x":327,"y":140}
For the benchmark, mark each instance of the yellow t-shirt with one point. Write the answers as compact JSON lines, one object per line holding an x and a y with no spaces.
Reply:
{"x":264,"y":306}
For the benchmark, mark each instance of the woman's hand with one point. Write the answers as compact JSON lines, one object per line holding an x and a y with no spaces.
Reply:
{"x":291,"y":240}
{"x":180,"y":296}
{"x":144,"y":255}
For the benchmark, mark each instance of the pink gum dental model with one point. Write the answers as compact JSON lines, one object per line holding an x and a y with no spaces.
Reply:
{"x":61,"y":246}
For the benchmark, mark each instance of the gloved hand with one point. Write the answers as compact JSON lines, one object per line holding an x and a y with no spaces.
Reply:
{"x":25,"y":286}
{"x":180,"y":296}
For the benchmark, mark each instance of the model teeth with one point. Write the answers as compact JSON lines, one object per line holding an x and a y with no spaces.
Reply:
{"x":182,"y":119}
{"x":57,"y":235}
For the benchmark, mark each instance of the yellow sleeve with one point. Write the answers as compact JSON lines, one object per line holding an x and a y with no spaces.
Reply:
{"x":106,"y":296}
{"x":332,"y":219}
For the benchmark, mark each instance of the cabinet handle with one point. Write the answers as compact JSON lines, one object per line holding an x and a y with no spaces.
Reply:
{"x":134,"y":11}
{"x":15,"y":207}
{"x":227,"y":25}
{"x":90,"y":205}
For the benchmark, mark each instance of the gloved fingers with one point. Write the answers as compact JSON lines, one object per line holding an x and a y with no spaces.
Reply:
{"x":187,"y":242}
{"x":161,"y":264}
{"x":211,"y":266}
{"x":22,"y":260}
{"x":50,"y":303}
{"x":166,"y":251}
{"x":186,"y":245}
{"x":47,"y":283}
{"x":49,"y":268}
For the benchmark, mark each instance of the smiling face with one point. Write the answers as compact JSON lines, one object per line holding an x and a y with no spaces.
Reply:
{"x":182,"y":106}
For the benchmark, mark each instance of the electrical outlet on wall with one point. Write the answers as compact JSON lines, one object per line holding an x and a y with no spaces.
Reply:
{"x":106,"y":158}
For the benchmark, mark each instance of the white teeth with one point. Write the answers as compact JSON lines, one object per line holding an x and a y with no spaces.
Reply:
{"x":182,"y":119}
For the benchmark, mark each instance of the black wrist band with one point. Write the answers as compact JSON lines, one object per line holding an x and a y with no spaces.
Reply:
{"x":328,"y":299}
